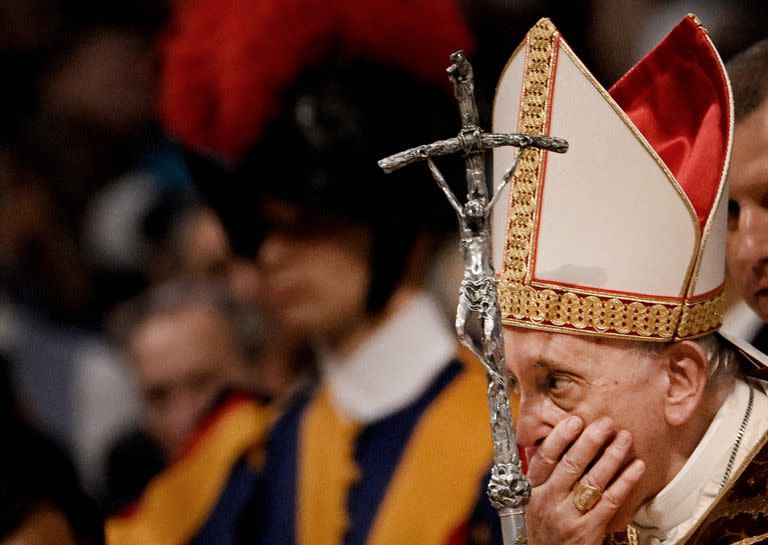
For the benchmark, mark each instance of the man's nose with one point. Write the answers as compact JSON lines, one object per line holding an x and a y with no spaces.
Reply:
{"x":751,"y":237}
{"x":532,"y":427}
{"x":245,"y":281}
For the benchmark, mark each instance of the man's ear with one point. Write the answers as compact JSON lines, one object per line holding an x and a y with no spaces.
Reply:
{"x":687,"y":368}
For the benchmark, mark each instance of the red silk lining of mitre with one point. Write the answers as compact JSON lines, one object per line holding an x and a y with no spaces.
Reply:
{"x":678,"y":97}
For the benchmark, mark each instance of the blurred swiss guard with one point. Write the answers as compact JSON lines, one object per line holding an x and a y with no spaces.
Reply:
{"x":285,"y":108}
{"x":640,"y":422}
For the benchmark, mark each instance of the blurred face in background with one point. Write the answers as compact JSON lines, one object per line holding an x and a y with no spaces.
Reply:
{"x":204,"y":246}
{"x":109,"y":78}
{"x":748,"y":211}
{"x":313,"y":271}
{"x":183,"y":362}
{"x":43,"y":527}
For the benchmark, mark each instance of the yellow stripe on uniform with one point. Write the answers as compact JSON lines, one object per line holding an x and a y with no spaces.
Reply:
{"x":178,"y":501}
{"x":437,"y":483}
{"x":326,"y":471}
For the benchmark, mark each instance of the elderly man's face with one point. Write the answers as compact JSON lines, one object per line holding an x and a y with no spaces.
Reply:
{"x":558,"y":375}
{"x":183,"y":361}
{"x":748,"y":211}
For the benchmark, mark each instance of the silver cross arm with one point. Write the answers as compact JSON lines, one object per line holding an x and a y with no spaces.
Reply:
{"x":457,"y":144}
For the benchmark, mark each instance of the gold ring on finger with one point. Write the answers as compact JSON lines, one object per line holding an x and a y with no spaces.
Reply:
{"x":585,"y":496}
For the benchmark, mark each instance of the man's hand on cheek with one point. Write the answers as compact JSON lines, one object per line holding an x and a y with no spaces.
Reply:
{"x":594,"y":456}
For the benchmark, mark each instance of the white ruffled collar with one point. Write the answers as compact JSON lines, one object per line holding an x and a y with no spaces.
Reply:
{"x":691,"y":491}
{"x":395,"y":365}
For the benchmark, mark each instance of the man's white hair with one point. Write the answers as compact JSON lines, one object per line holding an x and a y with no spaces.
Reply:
{"x":722,"y":358}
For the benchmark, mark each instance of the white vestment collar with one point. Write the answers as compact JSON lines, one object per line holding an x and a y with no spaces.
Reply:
{"x":742,"y":322}
{"x":679,"y":505}
{"x":394,"y":366}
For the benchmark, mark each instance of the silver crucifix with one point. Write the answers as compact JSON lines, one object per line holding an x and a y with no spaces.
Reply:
{"x":508,"y":489}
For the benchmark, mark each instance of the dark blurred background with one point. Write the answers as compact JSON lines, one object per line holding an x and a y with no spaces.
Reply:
{"x":95,"y":201}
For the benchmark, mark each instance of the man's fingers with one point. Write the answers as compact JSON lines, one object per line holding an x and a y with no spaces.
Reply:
{"x":548,"y":455}
{"x":608,"y":464}
{"x":581,"y":453}
{"x":617,"y":493}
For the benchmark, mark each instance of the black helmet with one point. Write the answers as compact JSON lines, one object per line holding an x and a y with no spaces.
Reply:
{"x":321,"y":152}
{"x":303,"y":98}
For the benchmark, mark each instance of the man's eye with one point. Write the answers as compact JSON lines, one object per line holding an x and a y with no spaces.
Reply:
{"x":733,"y":214}
{"x":157,"y":396}
{"x":557,"y":383}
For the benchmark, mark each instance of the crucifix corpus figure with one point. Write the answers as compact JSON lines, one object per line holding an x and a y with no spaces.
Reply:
{"x":508,"y":489}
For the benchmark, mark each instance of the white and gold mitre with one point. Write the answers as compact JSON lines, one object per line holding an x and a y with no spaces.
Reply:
{"x":623,"y":235}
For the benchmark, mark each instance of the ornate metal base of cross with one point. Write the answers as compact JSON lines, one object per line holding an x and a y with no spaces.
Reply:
{"x":508,"y":489}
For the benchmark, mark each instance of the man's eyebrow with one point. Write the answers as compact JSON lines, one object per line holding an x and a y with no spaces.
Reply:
{"x":549,"y":364}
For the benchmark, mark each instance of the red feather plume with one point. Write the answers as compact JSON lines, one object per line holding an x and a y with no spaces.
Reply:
{"x":226,"y":63}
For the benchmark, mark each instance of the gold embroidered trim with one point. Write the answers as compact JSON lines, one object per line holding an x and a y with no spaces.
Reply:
{"x":633,"y":536}
{"x":752,"y":540}
{"x":701,"y":317}
{"x":536,"y":92}
{"x":562,"y":309}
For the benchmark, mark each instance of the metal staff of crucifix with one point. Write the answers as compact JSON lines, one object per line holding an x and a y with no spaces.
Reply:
{"x":508,"y":489}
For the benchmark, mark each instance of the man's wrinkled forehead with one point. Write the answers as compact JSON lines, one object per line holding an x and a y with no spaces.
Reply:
{"x":548,"y":350}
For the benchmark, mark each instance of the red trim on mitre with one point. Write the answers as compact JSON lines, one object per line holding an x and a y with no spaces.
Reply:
{"x":678,"y":96}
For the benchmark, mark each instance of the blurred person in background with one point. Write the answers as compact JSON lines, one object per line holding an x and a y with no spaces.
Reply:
{"x":340,"y":251}
{"x":187,"y":344}
{"x":748,"y":205}
{"x":82,"y":112}
{"x":181,"y":241}
{"x":176,"y":239}
{"x":42,"y":500}
{"x":45,"y":332}
{"x":187,"y":240}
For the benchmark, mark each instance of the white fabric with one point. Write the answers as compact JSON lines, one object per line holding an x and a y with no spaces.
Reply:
{"x":741,"y":322}
{"x":675,"y":510}
{"x":610,"y":216}
{"x":711,"y":272}
{"x":394,"y":366}
{"x":106,"y":403}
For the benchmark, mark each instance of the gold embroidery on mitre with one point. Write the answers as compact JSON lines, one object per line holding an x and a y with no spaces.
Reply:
{"x":701,"y":317}
{"x":574,"y":310}
{"x":564,"y":310}
{"x":534,"y":108}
